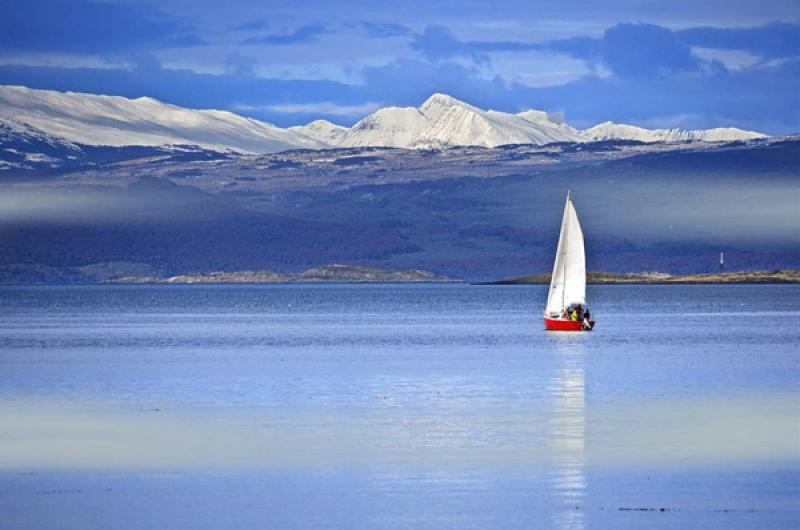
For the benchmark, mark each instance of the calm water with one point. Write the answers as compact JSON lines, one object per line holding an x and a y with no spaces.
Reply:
{"x":436,"y":406}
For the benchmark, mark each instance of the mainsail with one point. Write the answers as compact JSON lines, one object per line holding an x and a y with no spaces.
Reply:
{"x":568,"y":284}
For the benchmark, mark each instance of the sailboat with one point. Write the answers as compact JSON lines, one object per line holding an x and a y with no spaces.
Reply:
{"x":566,"y":308}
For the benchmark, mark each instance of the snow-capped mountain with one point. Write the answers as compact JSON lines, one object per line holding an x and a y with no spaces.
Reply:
{"x":323,"y":131}
{"x":618,"y":131}
{"x":441,"y":121}
{"x":444,"y":121}
{"x":117,"y":121}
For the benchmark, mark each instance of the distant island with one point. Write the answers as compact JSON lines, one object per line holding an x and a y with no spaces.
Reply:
{"x":327,"y":273}
{"x":776,"y":276}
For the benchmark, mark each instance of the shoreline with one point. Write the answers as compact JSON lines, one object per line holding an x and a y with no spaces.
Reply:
{"x":775,"y":277}
{"x":348,"y":274}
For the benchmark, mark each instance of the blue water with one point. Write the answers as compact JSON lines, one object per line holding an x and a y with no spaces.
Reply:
{"x":391,"y":406}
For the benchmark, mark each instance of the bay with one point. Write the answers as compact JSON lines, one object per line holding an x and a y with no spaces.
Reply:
{"x":397,"y":406}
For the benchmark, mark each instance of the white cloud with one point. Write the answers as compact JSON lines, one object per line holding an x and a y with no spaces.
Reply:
{"x":538,"y":69}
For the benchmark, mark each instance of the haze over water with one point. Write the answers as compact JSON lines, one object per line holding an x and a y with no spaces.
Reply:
{"x":388,"y":406}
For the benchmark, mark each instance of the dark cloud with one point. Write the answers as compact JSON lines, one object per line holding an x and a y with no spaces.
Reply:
{"x":629,"y":50}
{"x":437,"y":43}
{"x":380,"y":30}
{"x":645,"y":49}
{"x":626,"y":49}
{"x":770,"y":41}
{"x":637,"y":50}
{"x":86,"y":27}
{"x":299,"y":35}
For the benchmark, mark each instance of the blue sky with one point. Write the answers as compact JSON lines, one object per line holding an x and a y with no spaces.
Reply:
{"x":657,"y":64}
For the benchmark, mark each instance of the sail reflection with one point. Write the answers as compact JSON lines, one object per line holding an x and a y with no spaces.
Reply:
{"x":567,"y":478}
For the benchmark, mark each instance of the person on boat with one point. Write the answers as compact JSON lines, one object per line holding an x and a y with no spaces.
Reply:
{"x":574,"y":315}
{"x":587,"y":319}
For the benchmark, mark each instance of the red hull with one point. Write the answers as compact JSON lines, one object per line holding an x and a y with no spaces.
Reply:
{"x":555,"y":324}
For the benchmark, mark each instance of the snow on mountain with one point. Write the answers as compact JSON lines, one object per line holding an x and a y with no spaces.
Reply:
{"x":386,"y":127}
{"x":390,"y":126}
{"x":618,"y":131}
{"x":118,"y":121}
{"x":24,"y":147}
{"x":441,"y":121}
{"x":322,"y":130}
{"x":456,"y":123}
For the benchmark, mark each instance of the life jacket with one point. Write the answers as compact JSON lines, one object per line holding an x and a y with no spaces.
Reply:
{"x":574,"y":315}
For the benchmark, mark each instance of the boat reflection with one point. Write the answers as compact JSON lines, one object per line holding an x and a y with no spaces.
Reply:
{"x":567,"y":432}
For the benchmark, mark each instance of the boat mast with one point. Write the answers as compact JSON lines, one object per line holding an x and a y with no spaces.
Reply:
{"x":564,"y":252}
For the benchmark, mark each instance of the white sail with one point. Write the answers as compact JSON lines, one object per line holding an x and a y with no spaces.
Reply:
{"x":568,"y":284}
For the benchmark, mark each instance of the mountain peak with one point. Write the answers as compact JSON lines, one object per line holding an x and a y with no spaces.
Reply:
{"x":320,"y":125}
{"x":321,"y":130}
{"x":439,"y":100}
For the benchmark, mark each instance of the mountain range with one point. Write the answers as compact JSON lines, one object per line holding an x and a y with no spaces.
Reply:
{"x":98,"y":187}
{"x":73,"y":120}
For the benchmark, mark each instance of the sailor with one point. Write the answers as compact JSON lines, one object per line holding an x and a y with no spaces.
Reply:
{"x":574,"y":315}
{"x":587,"y":322}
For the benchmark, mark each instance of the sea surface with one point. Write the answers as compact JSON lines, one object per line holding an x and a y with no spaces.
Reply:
{"x":398,"y":407}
